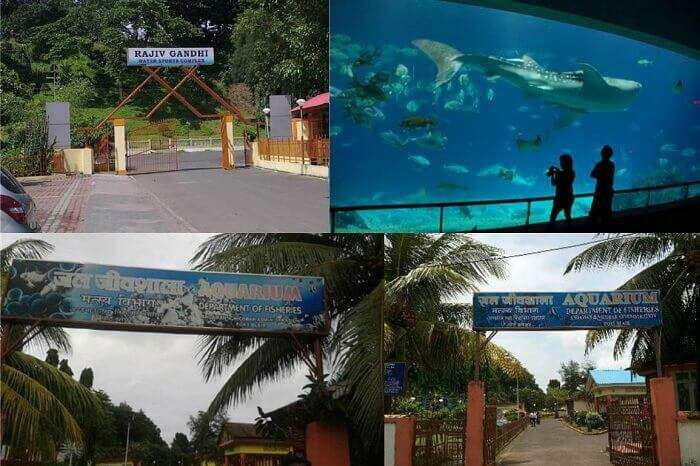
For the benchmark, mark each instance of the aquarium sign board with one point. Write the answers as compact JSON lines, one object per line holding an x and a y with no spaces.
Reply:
{"x":394,"y":378}
{"x":170,"y":301}
{"x":576,"y":310}
{"x":170,"y":56}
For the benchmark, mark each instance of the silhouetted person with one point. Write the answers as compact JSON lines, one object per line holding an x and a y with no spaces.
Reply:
{"x":604,"y":173}
{"x":563,"y":179}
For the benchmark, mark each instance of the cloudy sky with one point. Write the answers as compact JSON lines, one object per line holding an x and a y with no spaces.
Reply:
{"x":543,"y":352}
{"x":158,"y":373}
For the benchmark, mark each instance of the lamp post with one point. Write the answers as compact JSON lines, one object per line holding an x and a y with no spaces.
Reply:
{"x":300,"y":103}
{"x":128,"y":432}
{"x":266,"y":111}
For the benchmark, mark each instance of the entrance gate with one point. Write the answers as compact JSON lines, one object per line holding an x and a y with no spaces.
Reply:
{"x":439,"y":442}
{"x":631,"y":432}
{"x":159,"y":155}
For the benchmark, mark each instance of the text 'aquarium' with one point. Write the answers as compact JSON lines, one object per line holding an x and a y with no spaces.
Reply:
{"x":447,"y":116}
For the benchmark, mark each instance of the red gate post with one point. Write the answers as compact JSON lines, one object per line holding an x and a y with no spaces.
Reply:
{"x":403,"y":441}
{"x":474,"y":435}
{"x":663,"y":407}
{"x":327,"y":444}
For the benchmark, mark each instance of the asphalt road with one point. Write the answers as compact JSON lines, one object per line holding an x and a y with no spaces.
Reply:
{"x":552,"y":444}
{"x":240,"y":200}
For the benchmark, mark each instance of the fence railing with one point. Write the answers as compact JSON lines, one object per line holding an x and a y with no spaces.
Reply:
{"x":182,"y":144}
{"x":312,"y":152}
{"x":496,"y":437}
{"x":493,"y":214}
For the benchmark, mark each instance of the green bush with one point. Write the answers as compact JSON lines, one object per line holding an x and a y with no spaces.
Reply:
{"x":407,"y":406}
{"x":580,"y":417}
{"x":511,"y":415}
{"x":15,"y":161}
{"x":594,"y":421}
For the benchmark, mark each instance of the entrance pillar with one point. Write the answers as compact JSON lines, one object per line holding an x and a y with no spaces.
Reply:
{"x":327,"y":444}
{"x":227,"y":154}
{"x":663,"y":407}
{"x":474,"y":435}
{"x":120,"y":146}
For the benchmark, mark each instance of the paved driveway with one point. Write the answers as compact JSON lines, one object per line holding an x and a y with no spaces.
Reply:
{"x":204,"y":200}
{"x":553,"y":444}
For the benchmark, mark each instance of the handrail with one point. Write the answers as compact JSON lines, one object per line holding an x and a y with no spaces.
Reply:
{"x":529,"y":200}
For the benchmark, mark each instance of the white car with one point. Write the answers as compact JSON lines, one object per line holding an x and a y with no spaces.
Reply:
{"x":18,"y":208}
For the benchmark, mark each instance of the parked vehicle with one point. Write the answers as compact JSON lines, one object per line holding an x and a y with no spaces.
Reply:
{"x":18,"y":208}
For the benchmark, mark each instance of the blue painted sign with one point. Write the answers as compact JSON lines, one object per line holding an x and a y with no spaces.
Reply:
{"x":567,"y":311}
{"x":105,"y":296}
{"x":394,"y":377}
{"x":170,"y":56}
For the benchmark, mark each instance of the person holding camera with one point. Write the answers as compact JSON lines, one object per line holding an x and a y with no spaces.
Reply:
{"x":563,"y":179}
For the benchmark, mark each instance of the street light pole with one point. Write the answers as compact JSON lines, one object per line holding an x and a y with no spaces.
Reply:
{"x":128,"y":432}
{"x":300,"y":103}
{"x":266,"y":111}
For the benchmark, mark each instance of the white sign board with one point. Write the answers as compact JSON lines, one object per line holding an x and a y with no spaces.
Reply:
{"x":170,"y":56}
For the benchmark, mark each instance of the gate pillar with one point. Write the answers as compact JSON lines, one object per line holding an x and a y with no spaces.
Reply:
{"x":327,"y":444}
{"x":227,"y":153}
{"x":663,"y":406}
{"x":120,"y":146}
{"x":474,"y":435}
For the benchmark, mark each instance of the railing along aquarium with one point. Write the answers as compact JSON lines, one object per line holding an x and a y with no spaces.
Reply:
{"x":489,"y":214}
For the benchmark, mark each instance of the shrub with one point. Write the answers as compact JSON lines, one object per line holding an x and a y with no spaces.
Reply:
{"x":407,"y":406}
{"x":580,"y":417}
{"x":14,"y":161}
{"x":594,"y":421}
{"x":511,"y":415}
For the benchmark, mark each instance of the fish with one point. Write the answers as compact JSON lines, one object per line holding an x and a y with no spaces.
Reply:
{"x":463,"y":79}
{"x":431,"y":140}
{"x":452,"y":105}
{"x":536,"y":116}
{"x":668,"y":147}
{"x":447,"y":186}
{"x":414,"y":122}
{"x":634,"y":127}
{"x":528,"y":145}
{"x":688,"y":152}
{"x":644,"y":62}
{"x":392,"y":139}
{"x":523,"y":108}
{"x":337,"y":55}
{"x":455,"y":168}
{"x":412,"y":106}
{"x":582,"y":90}
{"x":346,"y":70}
{"x":335,"y":130}
{"x":662,"y":162}
{"x":419,"y":160}
{"x":490,"y":94}
{"x":677,"y":87}
{"x":621,"y":172}
{"x":335,"y":92}
{"x":375,"y":113}
{"x":465,"y":211}
{"x":511,"y":128}
{"x":401,"y":70}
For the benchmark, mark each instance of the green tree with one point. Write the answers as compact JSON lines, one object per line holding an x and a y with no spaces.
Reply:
{"x":181,"y":449}
{"x":425,"y":275}
{"x":574,"y":376}
{"x":352,"y":268}
{"x":553,"y":383}
{"x":204,"y":431}
{"x":40,"y":404}
{"x":86,"y":377}
{"x":52,"y":357}
{"x":281,"y":46}
{"x":65,"y":368}
{"x":672,"y":265}
{"x":533,"y":400}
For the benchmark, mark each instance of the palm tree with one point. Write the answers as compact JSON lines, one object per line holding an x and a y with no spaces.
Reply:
{"x":672,"y":262}
{"x":39,"y":403}
{"x":423,"y":325}
{"x":351,"y":266}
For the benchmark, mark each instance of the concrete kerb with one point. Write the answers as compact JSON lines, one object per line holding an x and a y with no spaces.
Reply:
{"x":581,"y":431}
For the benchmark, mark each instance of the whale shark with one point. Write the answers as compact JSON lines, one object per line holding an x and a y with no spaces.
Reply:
{"x":581,"y":91}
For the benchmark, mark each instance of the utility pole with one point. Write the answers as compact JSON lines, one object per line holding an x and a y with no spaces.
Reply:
{"x":517,"y":391}
{"x":55,"y":79}
{"x":128,"y":432}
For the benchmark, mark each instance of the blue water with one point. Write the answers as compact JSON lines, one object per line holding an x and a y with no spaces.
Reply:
{"x":468,"y":149}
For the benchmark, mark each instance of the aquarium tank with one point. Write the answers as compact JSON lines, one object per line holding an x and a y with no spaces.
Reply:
{"x":435,"y":102}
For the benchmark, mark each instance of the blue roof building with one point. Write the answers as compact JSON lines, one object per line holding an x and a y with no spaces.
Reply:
{"x":610,"y":385}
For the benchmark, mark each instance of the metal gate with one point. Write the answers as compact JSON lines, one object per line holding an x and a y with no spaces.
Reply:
{"x":160,"y":155}
{"x":439,"y":443}
{"x":631,"y":432}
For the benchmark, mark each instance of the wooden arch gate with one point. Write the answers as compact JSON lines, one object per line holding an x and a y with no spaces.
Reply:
{"x":164,"y":158}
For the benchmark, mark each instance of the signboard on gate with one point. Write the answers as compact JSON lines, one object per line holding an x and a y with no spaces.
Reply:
{"x":394,"y":377}
{"x":578,"y":310}
{"x":170,"y":56}
{"x":128,"y":298}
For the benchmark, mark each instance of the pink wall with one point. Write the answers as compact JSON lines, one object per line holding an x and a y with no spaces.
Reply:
{"x":663,"y":405}
{"x":404,"y":439}
{"x":473,"y":445}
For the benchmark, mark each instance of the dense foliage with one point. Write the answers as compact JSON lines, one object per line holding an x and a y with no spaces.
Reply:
{"x":74,"y":51}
